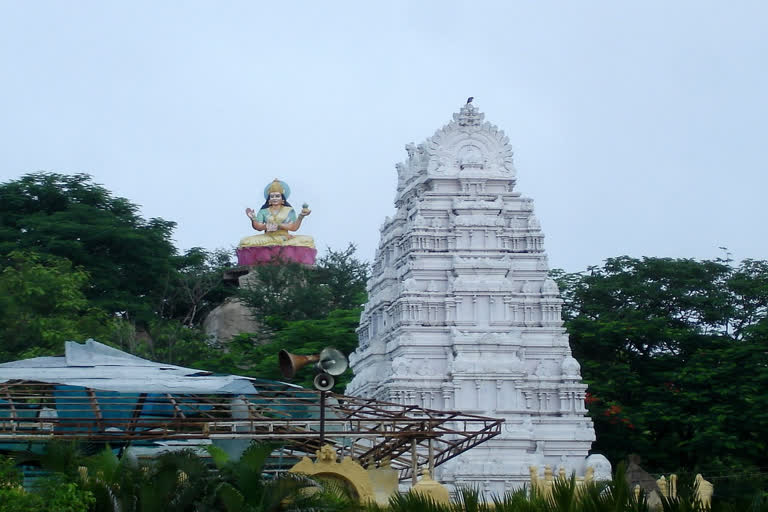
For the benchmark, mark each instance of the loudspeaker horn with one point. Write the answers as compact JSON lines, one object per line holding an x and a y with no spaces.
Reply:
{"x":323,"y":381}
{"x":292,"y":363}
{"x":332,"y":361}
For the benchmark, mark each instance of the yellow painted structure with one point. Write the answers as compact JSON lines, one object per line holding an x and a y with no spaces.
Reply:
{"x":384,"y":481}
{"x":544,"y":485}
{"x":431,"y":488}
{"x":667,"y":486}
{"x":704,"y":491}
{"x":348,"y":473}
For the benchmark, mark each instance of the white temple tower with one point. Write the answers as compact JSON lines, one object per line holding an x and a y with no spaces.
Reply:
{"x":462,"y":316}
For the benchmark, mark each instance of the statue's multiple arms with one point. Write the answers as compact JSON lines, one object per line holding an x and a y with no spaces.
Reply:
{"x":293,"y":226}
{"x":258,"y":226}
{"x":287,"y":226}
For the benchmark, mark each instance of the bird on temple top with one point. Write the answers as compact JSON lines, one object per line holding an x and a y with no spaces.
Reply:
{"x":469,"y":100}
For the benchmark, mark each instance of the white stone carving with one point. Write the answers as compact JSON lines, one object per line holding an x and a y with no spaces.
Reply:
{"x":570,"y":367}
{"x":550,"y":288}
{"x":461,"y":314}
{"x":600,"y":464}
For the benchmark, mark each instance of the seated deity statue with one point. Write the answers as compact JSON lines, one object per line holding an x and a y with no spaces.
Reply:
{"x":277,"y":219}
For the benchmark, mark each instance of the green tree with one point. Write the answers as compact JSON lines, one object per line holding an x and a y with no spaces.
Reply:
{"x":43,"y":304}
{"x":344,"y":276}
{"x":248,"y":357}
{"x":10,"y":476}
{"x":51,"y":494}
{"x":55,"y":492}
{"x":175,"y":343}
{"x":304,"y":309}
{"x":196,"y":286}
{"x":283,"y":292}
{"x":287,"y":291}
{"x":128,"y":258}
{"x":674,"y":352}
{"x":170,"y":482}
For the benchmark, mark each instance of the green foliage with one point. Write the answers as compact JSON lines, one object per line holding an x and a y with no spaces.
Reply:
{"x":243,"y":487}
{"x":251,"y":358}
{"x":310,"y":337}
{"x":78,"y":263}
{"x":335,"y":496}
{"x":607,"y":496}
{"x":305,"y":309}
{"x":10,"y":476}
{"x":176,"y":481}
{"x":60,"y":457}
{"x":183,"y":481}
{"x":196,"y":286}
{"x":674,"y":353}
{"x":739,"y":491}
{"x":565,"y":496}
{"x":287,"y":291}
{"x":53,"y":493}
{"x":172,"y":343}
{"x":17,"y":500}
{"x":42,"y":304}
{"x":58,"y":494}
{"x":345,"y":277}
{"x":520,"y":500}
{"x":414,"y":502}
{"x":126,"y":256}
{"x":470,"y":499}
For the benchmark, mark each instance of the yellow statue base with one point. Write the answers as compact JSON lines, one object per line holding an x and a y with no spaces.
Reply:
{"x":279,"y":237}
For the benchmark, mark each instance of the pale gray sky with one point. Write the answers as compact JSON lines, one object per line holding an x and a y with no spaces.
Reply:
{"x":639,"y":127}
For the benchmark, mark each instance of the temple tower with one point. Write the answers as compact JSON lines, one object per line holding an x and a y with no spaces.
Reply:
{"x":462,"y":316}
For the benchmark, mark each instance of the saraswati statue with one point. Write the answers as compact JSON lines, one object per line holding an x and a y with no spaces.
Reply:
{"x":276,"y":218}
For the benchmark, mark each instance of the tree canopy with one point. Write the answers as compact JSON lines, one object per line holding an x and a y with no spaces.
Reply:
{"x":71,"y":217}
{"x":43,"y":303}
{"x":287,"y":291}
{"x":675,"y":352}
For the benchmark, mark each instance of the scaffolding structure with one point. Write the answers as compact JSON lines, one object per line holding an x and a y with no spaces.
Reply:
{"x":369,"y":431}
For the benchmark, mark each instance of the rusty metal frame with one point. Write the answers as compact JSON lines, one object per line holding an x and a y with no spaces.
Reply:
{"x":370,"y":431}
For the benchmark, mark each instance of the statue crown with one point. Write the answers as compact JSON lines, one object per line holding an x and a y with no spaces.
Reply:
{"x":276,"y":186}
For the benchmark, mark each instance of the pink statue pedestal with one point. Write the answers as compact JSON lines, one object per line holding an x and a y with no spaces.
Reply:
{"x":275,"y":254}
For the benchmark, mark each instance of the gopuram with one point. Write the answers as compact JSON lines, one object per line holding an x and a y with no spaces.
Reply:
{"x":461,"y":314}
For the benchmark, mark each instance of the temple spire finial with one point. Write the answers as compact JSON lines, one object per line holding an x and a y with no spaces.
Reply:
{"x":469,"y":115}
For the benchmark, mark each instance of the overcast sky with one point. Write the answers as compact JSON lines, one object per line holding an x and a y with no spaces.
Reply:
{"x":639,"y":127}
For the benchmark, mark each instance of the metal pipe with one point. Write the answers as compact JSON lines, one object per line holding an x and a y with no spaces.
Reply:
{"x":322,"y":418}
{"x":431,"y":459}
